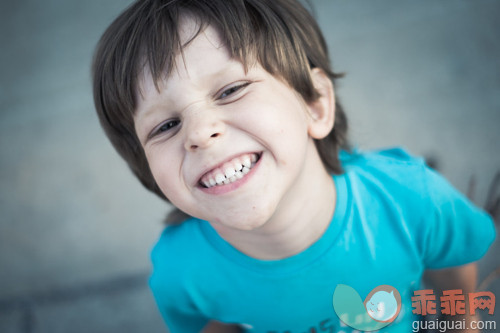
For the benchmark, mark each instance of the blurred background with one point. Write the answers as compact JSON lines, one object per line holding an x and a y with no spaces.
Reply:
{"x":76,"y":228}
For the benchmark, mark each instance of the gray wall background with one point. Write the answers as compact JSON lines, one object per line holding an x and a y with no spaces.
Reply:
{"x":76,"y":228}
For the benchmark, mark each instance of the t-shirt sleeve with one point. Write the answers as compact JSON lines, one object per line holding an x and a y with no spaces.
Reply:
{"x":172,"y":297}
{"x":456,"y":232}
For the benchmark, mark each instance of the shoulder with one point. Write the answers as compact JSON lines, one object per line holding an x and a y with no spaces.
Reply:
{"x":445,"y":226}
{"x":176,"y":275}
{"x":396,"y":157}
{"x":389,"y":182}
{"x":175,"y":255}
{"x":394,"y":168}
{"x":397,"y":180}
{"x":174,"y":237}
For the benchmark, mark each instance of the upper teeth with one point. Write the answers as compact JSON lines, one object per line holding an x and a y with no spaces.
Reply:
{"x":230,"y":171}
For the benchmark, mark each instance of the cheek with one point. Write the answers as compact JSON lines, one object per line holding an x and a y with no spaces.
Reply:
{"x":276,"y":119}
{"x":164,"y":170}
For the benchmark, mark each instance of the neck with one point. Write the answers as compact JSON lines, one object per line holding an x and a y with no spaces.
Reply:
{"x":301,"y":221}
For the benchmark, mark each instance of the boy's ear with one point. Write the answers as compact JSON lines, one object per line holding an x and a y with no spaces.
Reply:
{"x":322,"y":110}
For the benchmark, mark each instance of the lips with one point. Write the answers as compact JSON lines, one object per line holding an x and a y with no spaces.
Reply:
{"x":230,"y":171}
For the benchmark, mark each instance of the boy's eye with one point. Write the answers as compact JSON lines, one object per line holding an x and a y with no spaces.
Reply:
{"x":165,"y":127}
{"x":231,"y":90}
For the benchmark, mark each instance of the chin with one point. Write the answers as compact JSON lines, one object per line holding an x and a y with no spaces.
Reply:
{"x":251,"y":225}
{"x":246,"y":225}
{"x":249,"y":221}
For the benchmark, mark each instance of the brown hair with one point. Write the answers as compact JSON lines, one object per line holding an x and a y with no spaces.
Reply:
{"x":280,"y":34}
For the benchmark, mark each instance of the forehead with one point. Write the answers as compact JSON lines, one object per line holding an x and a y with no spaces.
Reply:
{"x":202,"y":53}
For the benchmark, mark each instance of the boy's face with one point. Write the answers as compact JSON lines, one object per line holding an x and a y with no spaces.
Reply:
{"x":225,"y":145}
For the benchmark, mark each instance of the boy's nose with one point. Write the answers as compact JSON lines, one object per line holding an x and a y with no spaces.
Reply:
{"x":202,"y":131}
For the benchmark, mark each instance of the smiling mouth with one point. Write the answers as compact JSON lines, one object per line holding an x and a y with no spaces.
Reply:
{"x":231,"y":171}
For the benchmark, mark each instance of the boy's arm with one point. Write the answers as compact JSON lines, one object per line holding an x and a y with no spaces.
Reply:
{"x":461,"y":277}
{"x":217,"y":327}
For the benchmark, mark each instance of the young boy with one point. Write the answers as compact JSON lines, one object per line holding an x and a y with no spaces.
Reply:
{"x":227,"y":110}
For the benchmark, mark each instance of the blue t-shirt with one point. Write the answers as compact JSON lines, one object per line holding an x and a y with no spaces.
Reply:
{"x":394,"y":217}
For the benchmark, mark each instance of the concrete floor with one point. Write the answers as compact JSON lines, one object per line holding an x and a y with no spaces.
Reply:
{"x":77,"y":228}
